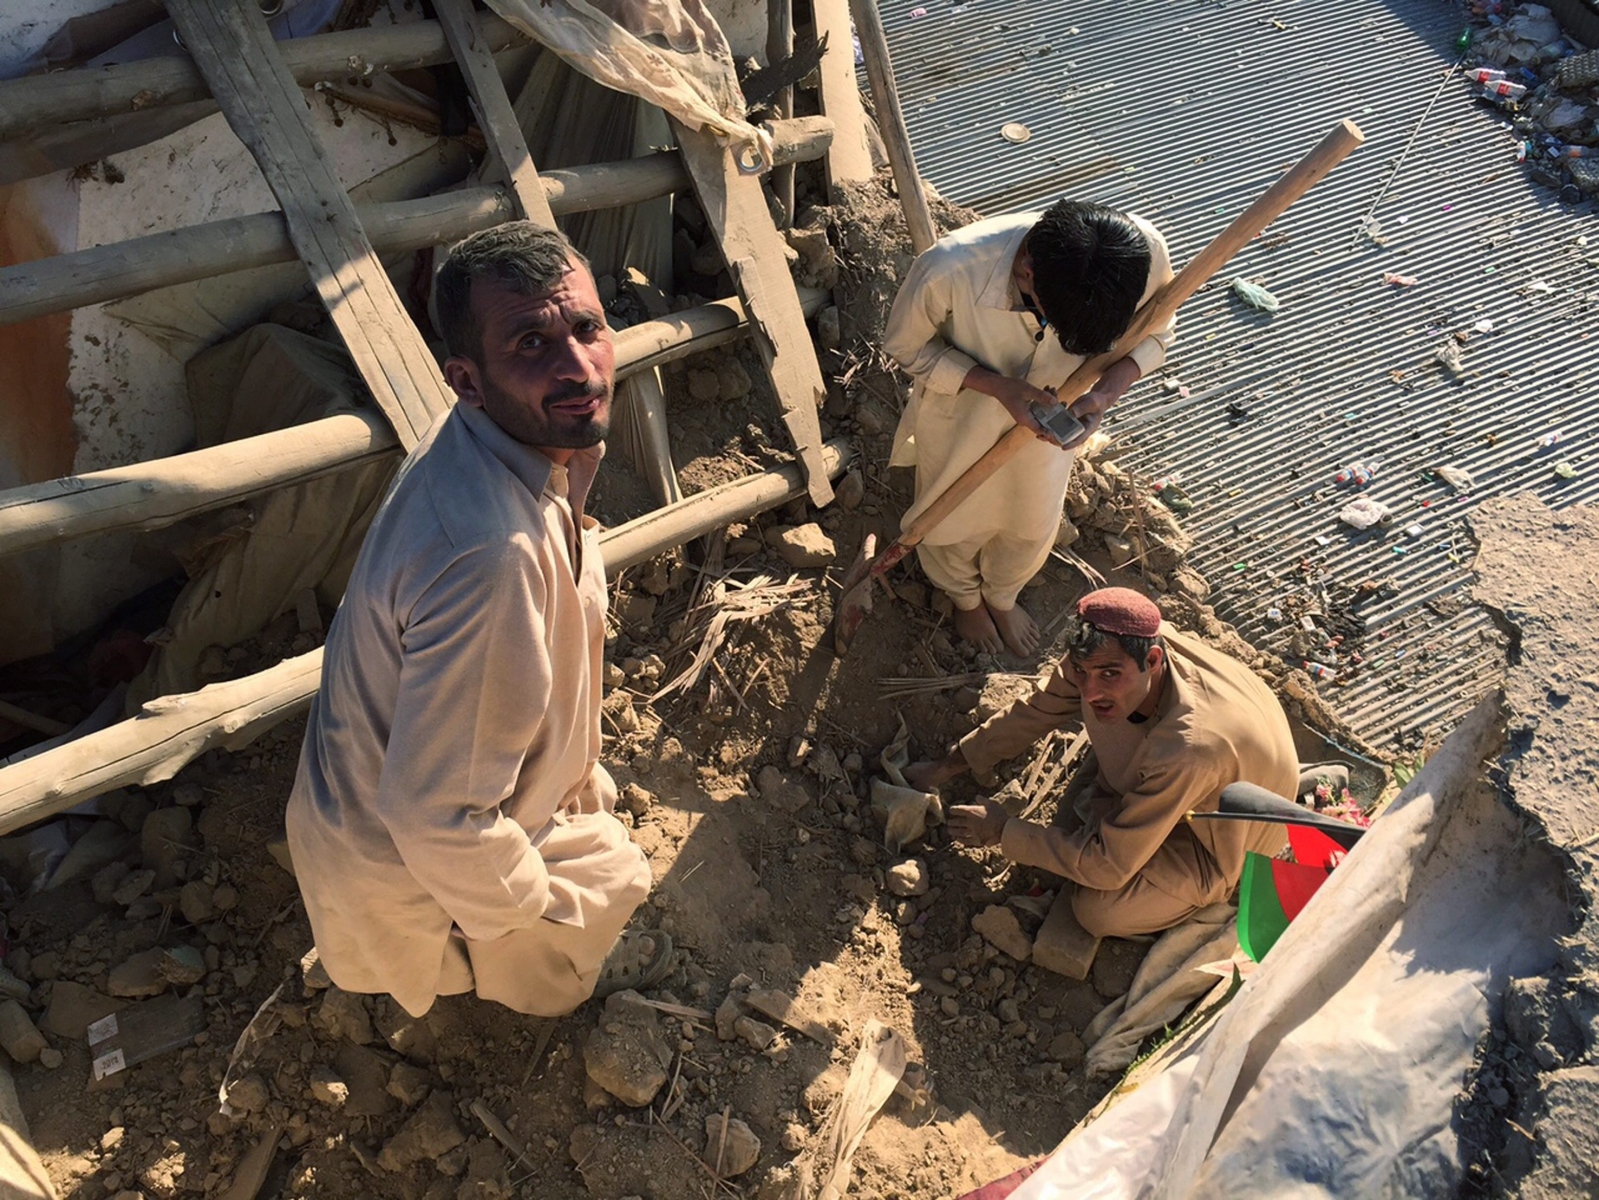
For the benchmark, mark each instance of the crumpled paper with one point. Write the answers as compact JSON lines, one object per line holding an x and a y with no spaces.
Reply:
{"x":905,"y":812}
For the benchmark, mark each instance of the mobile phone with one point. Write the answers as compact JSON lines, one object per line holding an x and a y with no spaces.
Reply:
{"x":1058,"y":421}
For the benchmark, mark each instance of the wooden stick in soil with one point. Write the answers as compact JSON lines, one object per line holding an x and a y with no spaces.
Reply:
{"x":855,"y":602}
{"x":891,"y":123}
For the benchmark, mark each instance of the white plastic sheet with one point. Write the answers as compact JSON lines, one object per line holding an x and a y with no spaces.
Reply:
{"x":1335,"y":1070}
{"x":671,"y":53}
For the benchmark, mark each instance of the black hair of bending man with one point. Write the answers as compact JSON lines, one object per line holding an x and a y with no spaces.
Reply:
{"x":1090,"y":266}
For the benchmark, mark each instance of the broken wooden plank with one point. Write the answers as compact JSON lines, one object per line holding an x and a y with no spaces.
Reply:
{"x":253,"y":1167}
{"x":507,"y":148}
{"x":849,"y":158}
{"x":172,"y":731}
{"x":780,"y":1007}
{"x":641,"y":412}
{"x":156,"y":494}
{"x":43,"y":101}
{"x":235,"y":52}
{"x":735,"y":206}
{"x":110,"y":272}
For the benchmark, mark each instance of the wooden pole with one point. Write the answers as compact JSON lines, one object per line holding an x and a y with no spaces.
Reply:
{"x":174,"y":730}
{"x":891,"y":123}
{"x":101,"y":273}
{"x":44,"y":101}
{"x":155,"y":494}
{"x":849,"y":158}
{"x":779,"y":45}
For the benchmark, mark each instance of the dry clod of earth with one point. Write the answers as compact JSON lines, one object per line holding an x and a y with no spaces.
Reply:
{"x":1002,"y":929}
{"x":908,"y":878}
{"x":803,"y":546}
{"x":431,"y":1132}
{"x":625,"y":1053}
{"x":731,"y":1147}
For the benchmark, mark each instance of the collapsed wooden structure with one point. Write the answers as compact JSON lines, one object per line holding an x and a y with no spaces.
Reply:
{"x":235,"y":65}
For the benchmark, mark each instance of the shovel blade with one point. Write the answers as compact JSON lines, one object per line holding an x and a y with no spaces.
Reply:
{"x":855,"y":598}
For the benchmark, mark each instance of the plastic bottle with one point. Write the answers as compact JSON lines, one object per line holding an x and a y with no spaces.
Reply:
{"x":1318,"y":670}
{"x":1553,"y":437}
{"x":1503,"y":89}
{"x":1485,"y":74}
{"x":1358,"y":473}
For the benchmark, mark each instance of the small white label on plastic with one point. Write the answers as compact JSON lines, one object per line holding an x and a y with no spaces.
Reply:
{"x":109,"y":1064}
{"x":105,"y":1027}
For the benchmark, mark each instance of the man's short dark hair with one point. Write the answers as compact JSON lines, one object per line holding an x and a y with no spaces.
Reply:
{"x":1084,"y":641}
{"x":524,"y":257}
{"x":1090,"y":267}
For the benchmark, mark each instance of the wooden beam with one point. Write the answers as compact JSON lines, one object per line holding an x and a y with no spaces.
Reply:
{"x":101,"y":273}
{"x":891,"y":123}
{"x":508,"y":151}
{"x":152,"y":495}
{"x":849,"y":158}
{"x":735,"y":206}
{"x":174,"y":730}
{"x":235,"y":52}
{"x":779,"y":45}
{"x":44,"y":101}
{"x":642,"y":405}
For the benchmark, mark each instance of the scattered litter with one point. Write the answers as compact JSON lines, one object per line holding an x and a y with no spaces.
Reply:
{"x":1399,"y":280}
{"x":1364,"y":513}
{"x":1565,"y":470}
{"x":1484,"y":325}
{"x":918,"y":12}
{"x":1174,"y":498}
{"x":1449,"y":357}
{"x":1255,"y":296}
{"x":1318,"y":670}
{"x":1015,"y":131}
{"x":1538,"y":285}
{"x":1414,"y":531}
{"x":1359,"y":473}
{"x":1456,"y":477}
{"x":1373,"y":230}
{"x":1552,"y":438}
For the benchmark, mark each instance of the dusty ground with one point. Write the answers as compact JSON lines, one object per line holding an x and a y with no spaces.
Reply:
{"x":747,"y":792}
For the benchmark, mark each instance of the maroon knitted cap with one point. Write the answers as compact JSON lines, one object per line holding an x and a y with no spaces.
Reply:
{"x":1119,"y":610}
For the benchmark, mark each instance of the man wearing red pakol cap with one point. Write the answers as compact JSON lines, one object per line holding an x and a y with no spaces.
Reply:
{"x":1172,"y":721}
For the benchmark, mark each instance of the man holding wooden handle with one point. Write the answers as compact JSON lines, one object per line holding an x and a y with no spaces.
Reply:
{"x":988,"y":322}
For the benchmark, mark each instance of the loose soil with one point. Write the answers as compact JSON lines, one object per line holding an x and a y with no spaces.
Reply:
{"x":777,"y":876}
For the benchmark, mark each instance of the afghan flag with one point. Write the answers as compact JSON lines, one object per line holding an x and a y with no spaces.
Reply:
{"x":1273,"y":891}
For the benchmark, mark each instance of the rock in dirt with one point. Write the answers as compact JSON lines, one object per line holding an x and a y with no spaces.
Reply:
{"x":780,"y":791}
{"x":249,"y":1094}
{"x":18,"y":1034}
{"x":195,"y":903}
{"x":757,"y":1035}
{"x":1001,"y":930}
{"x":106,"y":881}
{"x":851,"y":491}
{"x":166,"y":841}
{"x":806,"y":546}
{"x":73,"y":1008}
{"x":999,"y":692}
{"x":138,"y":977}
{"x":726,"y":1017}
{"x":327,"y":1088}
{"x":343,"y":1015}
{"x":431,"y":1131}
{"x":132,"y":886}
{"x":908,"y":878}
{"x":367,"y":1078}
{"x":1115,"y":965}
{"x":626,"y":1054}
{"x":409,"y":1084}
{"x":1067,"y":1049}
{"x":488,"y":1173}
{"x":731,"y":1148}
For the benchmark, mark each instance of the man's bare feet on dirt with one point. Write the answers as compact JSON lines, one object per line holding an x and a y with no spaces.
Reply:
{"x":977,"y":627}
{"x":1019,"y":631}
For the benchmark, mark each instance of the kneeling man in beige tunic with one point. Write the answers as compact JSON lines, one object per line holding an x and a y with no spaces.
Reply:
{"x":1172,"y":721}
{"x":451,"y":826}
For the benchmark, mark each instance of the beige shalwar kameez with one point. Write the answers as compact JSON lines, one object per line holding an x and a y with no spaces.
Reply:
{"x":1139,"y":866}
{"x":451,"y":826}
{"x":959,"y":308}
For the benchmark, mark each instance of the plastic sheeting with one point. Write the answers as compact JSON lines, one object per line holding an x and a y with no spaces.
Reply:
{"x":1334,"y":1071}
{"x":669,"y":52}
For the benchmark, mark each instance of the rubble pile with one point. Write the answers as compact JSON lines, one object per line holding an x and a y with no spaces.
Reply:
{"x":1523,"y":60}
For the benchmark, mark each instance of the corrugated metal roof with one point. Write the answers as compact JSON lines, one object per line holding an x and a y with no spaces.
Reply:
{"x":1186,"y":111}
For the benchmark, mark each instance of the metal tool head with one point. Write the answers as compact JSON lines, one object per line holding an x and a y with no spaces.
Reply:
{"x":855,"y":597}
{"x":1058,"y":422}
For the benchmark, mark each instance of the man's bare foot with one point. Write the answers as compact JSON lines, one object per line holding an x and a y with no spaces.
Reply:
{"x":977,"y":627}
{"x":1019,"y":631}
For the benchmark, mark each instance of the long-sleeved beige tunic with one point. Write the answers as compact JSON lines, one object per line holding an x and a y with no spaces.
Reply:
{"x":959,"y":308}
{"x":457,"y":722}
{"x":1216,"y":723}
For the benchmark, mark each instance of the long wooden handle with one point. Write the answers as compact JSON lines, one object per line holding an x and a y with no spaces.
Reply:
{"x":891,"y":122}
{"x":1329,"y":152}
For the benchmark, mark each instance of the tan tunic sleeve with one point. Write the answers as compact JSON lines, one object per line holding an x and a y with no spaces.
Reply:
{"x":1174,"y":778}
{"x":474,"y":686}
{"x":1151,"y":352}
{"x":1005,"y":735}
{"x":913,"y":336}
